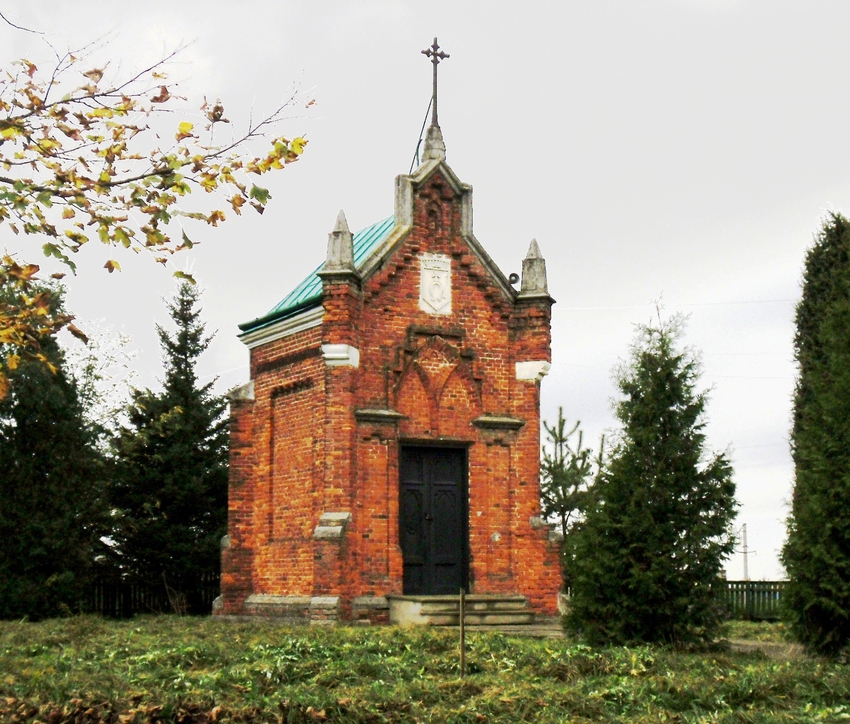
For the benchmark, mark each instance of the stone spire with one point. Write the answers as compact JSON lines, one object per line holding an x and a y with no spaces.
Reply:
{"x":435,"y":148}
{"x":340,"y":259}
{"x":534,"y":273}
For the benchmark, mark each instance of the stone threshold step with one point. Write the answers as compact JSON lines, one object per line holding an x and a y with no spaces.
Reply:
{"x":469,"y":598}
{"x":483,"y":621}
{"x":444,"y":610}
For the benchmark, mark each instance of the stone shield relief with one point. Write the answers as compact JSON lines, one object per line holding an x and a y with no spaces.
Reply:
{"x":435,"y":286}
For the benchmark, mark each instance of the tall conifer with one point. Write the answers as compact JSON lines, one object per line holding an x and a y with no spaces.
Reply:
{"x":171,"y":486}
{"x":648,"y":559}
{"x":816,"y":554}
{"x":52,"y":504}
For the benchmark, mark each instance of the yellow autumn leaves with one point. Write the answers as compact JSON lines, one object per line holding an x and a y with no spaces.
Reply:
{"x":85,"y":162}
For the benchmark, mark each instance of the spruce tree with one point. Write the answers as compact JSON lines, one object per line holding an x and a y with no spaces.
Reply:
{"x":816,"y":554}
{"x":648,"y":558}
{"x":52,"y":505}
{"x":171,"y":483}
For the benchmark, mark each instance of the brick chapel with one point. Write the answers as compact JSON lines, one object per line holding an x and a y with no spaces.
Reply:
{"x":388,"y":442}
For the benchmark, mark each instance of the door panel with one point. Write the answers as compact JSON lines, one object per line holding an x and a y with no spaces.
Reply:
{"x":433,"y":520}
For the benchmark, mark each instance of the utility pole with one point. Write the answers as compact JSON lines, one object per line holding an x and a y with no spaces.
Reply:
{"x":746,"y":550}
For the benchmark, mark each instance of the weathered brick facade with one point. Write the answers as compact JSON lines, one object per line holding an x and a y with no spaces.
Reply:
{"x":390,"y":354}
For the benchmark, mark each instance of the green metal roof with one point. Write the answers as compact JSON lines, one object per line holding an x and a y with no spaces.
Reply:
{"x":309,"y":292}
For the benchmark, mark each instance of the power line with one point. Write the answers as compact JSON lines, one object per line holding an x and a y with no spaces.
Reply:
{"x":694,"y":304}
{"x":746,"y":377}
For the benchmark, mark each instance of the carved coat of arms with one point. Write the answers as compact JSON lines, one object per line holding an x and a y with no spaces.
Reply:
{"x":435,"y":285}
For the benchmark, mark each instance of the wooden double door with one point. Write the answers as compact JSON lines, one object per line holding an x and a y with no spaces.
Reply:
{"x":434,"y":520}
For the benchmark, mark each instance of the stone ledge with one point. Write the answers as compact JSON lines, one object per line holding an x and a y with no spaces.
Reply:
{"x":341,"y":355}
{"x":370,"y":602}
{"x":331,"y":526}
{"x":498,"y":422}
{"x":243,"y":393}
{"x":324,"y":601}
{"x":335,"y":518}
{"x":375,"y":415}
{"x":532,"y":370}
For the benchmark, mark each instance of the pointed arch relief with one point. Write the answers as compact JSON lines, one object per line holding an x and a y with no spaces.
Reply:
{"x":457,"y":406}
{"x":450,"y":387}
{"x":414,"y":401}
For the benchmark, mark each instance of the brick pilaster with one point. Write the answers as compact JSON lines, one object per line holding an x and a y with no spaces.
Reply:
{"x":237,"y":555}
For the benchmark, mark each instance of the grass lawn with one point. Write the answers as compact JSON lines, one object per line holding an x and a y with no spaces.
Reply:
{"x":195,"y":669}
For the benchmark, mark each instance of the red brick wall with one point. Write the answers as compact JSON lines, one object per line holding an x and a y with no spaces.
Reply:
{"x":285,"y":431}
{"x":311,"y":455}
{"x":237,"y":563}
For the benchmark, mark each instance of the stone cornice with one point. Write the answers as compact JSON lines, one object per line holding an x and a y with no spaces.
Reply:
{"x":307,"y":319}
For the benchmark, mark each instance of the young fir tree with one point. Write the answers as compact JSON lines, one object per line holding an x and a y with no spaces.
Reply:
{"x":648,"y":557}
{"x":171,"y":483}
{"x":52,"y":505}
{"x":816,"y":554}
{"x":566,"y":474}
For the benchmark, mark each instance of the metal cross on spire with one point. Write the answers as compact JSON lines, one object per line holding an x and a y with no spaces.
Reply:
{"x":436,"y":55}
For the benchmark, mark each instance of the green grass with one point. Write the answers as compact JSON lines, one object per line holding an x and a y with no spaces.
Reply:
{"x":767,"y":631}
{"x":200,"y":670}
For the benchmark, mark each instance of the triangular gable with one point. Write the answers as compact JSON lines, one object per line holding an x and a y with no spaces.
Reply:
{"x":406,"y":186}
{"x":377,"y":242}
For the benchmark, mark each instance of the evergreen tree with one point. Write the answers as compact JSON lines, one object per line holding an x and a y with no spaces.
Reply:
{"x":647,"y":559}
{"x":52,"y":505}
{"x":816,"y":554}
{"x":171,"y":483}
{"x":566,"y":474}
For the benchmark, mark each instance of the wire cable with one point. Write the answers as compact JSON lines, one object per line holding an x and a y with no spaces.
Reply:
{"x":415,"y":161}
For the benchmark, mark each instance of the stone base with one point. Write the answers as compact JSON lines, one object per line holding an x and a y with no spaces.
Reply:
{"x":370,"y":609}
{"x":292,"y":609}
{"x":302,"y":610}
{"x":324,"y":610}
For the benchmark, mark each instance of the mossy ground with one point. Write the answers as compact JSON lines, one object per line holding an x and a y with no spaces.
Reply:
{"x":193,"y":669}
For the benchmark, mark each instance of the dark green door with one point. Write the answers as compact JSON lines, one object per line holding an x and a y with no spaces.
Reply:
{"x":433,"y":520}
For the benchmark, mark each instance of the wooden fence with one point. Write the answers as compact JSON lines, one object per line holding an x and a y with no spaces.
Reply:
{"x":121,"y":598}
{"x":754,"y":600}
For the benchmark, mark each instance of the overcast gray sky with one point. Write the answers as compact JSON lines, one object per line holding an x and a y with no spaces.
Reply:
{"x":677,"y":149}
